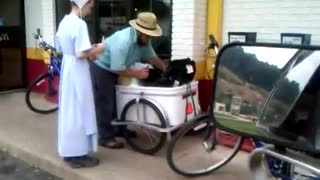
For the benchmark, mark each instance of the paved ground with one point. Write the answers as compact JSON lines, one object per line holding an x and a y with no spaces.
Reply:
{"x":32,"y":137}
{"x":15,"y":169}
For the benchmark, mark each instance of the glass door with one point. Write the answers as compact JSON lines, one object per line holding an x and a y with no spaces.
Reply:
{"x":12,"y":45}
{"x":162,"y":9}
{"x":113,"y":15}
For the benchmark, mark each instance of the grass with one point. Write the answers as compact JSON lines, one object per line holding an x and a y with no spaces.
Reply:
{"x":246,"y":127}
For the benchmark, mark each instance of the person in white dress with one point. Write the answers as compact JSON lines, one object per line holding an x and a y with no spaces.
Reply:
{"x":77,"y":128}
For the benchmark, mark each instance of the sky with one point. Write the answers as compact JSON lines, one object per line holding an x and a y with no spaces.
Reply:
{"x":280,"y":56}
{"x":275,"y":56}
{"x":304,"y":70}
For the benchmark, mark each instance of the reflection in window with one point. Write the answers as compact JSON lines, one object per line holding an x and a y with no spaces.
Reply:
{"x":162,"y":45}
{"x":113,"y":16}
{"x":9,"y":13}
{"x":1,"y":21}
{"x":246,"y":76}
{"x":62,"y":8}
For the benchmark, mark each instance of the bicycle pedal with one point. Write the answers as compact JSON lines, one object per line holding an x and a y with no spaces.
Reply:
{"x":211,"y":149}
{"x":199,"y":127}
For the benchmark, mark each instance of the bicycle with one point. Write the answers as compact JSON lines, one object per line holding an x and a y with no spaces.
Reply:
{"x":203,"y":129}
{"x":46,"y":84}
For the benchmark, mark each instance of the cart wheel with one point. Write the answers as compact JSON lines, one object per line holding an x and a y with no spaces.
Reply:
{"x":147,"y":141}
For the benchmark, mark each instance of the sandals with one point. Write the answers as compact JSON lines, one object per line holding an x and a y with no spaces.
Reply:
{"x":81,"y":162}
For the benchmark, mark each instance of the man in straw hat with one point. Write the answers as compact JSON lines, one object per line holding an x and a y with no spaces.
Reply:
{"x":122,"y":50}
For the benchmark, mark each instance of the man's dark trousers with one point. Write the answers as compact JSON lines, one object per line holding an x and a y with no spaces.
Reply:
{"x":104,"y":84}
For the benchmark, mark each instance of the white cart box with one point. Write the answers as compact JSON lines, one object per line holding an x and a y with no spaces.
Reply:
{"x":170,"y":100}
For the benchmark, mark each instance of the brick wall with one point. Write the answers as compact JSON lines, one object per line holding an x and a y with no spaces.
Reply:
{"x":40,"y":14}
{"x":188,"y":28}
{"x":271,"y":18}
{"x":49,"y":21}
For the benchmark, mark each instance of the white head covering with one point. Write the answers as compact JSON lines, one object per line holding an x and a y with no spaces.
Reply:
{"x":80,"y":3}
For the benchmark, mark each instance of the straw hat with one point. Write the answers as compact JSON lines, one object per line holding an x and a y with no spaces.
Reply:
{"x":147,"y":24}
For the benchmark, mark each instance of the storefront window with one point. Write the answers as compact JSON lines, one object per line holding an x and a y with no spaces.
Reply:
{"x":162,"y":45}
{"x":12,"y":44}
{"x":63,"y":8}
{"x":112,"y":15}
{"x":1,"y":21}
{"x":162,"y":9}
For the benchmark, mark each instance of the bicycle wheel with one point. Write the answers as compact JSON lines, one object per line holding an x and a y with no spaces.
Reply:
{"x":41,"y":95}
{"x":196,"y":149}
{"x":147,"y":141}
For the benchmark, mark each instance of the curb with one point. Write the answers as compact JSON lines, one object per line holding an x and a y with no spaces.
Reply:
{"x":44,"y":163}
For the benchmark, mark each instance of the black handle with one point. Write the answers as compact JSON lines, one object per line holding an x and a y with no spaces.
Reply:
{"x":38,"y":32}
{"x":212,"y":39}
{"x":213,"y":42}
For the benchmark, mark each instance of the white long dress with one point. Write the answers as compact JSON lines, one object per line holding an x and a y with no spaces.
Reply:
{"x":77,"y":128}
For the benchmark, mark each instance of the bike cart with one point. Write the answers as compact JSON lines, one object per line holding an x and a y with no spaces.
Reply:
{"x":154,"y":112}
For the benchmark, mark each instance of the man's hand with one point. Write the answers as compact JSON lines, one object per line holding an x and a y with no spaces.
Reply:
{"x":93,"y":57}
{"x":97,"y":50}
{"x":142,"y":73}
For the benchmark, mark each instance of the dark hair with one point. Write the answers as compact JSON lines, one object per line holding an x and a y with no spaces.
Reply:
{"x":73,"y":4}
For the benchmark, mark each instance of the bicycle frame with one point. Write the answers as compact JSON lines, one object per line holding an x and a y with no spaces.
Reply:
{"x":268,"y":153}
{"x":275,"y":166}
{"x":53,"y":66}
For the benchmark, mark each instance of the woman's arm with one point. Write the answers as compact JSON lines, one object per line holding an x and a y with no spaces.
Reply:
{"x":91,"y":53}
{"x":157,"y":62}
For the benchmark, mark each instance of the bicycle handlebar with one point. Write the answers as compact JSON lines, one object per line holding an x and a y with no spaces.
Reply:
{"x":42,"y":43}
{"x":213,"y":44}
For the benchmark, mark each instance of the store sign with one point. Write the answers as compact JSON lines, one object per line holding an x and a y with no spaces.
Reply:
{"x":292,"y":40}
{"x":4,"y":37}
{"x":237,"y":38}
{"x":11,"y":37}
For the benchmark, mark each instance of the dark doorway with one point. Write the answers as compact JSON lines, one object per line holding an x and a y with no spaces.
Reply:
{"x":12,"y":45}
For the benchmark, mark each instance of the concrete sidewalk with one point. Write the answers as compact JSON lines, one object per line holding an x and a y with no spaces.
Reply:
{"x":32,"y":138}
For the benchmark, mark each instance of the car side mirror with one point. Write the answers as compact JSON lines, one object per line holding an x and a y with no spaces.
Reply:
{"x":270,"y":92}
